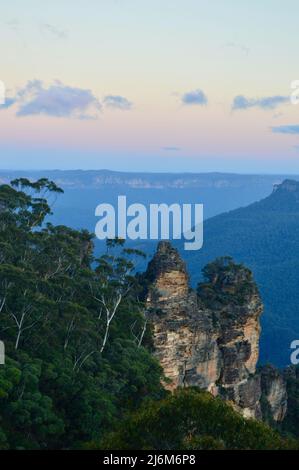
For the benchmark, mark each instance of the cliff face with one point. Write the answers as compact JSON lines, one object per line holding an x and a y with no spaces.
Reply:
{"x":210,"y":338}
{"x":185,"y":336}
{"x":274,"y":391}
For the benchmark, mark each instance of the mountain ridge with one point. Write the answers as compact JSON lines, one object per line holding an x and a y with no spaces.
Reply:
{"x":265,"y":237}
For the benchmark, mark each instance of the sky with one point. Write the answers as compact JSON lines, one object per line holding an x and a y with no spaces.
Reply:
{"x":150,"y":85}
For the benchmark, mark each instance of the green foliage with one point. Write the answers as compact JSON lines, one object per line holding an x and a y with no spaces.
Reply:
{"x":265,"y":237}
{"x":225,"y":282}
{"x":190,"y":419}
{"x":70,"y":373}
{"x":74,"y":333}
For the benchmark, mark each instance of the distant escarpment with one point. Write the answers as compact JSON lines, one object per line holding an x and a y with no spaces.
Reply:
{"x":209,"y":338}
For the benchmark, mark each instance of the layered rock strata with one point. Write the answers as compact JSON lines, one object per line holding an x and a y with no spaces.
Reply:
{"x":210,"y":338}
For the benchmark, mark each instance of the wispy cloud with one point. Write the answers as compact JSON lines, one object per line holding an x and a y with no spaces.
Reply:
{"x":267,"y":102}
{"x":171,"y":149}
{"x":53,"y":31}
{"x":288,"y":129}
{"x":117,"y":102}
{"x":57,"y":100}
{"x":240,"y":47}
{"x":195,"y":97}
{"x":13,"y":24}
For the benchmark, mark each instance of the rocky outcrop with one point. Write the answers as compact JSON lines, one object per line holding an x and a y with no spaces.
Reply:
{"x":185,"y":336}
{"x":291,"y":420}
{"x":290,"y":186}
{"x":210,"y":338}
{"x":274,"y":391}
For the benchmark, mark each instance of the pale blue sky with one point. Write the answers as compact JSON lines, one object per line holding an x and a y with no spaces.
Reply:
{"x":113,"y":75}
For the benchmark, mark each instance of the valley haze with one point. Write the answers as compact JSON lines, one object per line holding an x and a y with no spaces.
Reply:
{"x":220,"y":194}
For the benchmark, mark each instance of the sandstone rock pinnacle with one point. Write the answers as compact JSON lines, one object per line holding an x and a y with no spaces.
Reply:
{"x":210,"y":338}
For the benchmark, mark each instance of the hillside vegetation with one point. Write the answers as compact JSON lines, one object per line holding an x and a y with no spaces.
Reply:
{"x":78,"y":362}
{"x":265,"y":237}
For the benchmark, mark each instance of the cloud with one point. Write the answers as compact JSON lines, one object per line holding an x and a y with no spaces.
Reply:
{"x":57,"y":100}
{"x":13,"y":24}
{"x":117,"y":102}
{"x":267,"y":103}
{"x":196,"y":97}
{"x":51,"y":29}
{"x":171,"y":149}
{"x":244,"y":49}
{"x":7,"y":103}
{"x":289,"y":129}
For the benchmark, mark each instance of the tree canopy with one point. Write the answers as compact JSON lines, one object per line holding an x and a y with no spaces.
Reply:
{"x":71,"y":325}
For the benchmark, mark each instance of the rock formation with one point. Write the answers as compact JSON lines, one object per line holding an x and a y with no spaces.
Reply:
{"x":210,"y":338}
{"x":274,"y":391}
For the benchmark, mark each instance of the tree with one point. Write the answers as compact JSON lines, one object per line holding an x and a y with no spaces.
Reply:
{"x":114,"y":281}
{"x":69,"y":375}
{"x":191,"y":419}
